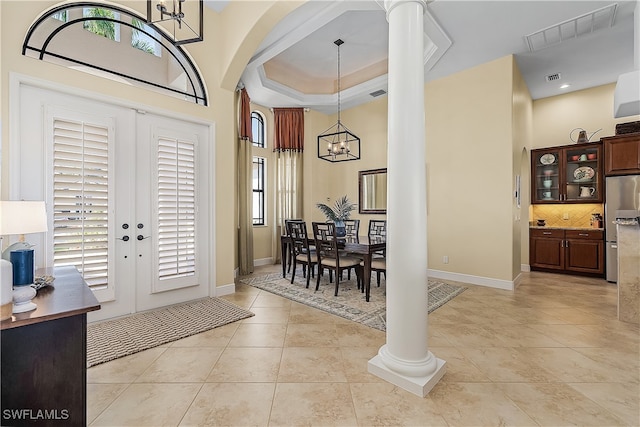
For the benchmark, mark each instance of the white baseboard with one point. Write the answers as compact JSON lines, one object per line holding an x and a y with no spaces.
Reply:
{"x":525,"y":268}
{"x":474,"y":280}
{"x":517,"y":280}
{"x":225,"y":290}
{"x":262,"y":261}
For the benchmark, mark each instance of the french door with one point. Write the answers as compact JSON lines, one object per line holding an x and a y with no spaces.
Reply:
{"x":127,"y":198}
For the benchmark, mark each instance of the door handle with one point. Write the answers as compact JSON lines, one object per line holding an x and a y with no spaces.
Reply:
{"x":124,"y":238}
{"x":141,"y":237}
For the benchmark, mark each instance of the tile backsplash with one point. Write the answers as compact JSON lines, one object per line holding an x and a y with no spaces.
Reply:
{"x":578,"y":215}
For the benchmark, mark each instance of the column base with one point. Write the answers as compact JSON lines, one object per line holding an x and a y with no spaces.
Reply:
{"x":420,"y":386}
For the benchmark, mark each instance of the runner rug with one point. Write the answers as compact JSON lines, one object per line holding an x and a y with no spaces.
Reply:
{"x":116,"y":338}
{"x":350,"y":302}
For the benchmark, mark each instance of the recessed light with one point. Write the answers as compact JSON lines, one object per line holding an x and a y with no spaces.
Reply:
{"x":564,"y":86}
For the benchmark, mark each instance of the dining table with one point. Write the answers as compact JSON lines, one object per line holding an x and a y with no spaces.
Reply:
{"x":364,"y":246}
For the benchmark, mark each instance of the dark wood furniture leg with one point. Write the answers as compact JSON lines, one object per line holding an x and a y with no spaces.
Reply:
{"x":367,"y":274}
{"x":284,"y":245}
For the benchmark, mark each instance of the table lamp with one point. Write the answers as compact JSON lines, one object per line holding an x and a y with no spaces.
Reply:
{"x":16,"y":265}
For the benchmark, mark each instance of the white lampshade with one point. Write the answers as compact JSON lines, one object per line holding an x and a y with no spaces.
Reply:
{"x":22,"y":217}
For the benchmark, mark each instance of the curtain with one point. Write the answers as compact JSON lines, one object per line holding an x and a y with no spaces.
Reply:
{"x":245,"y":187}
{"x":288,"y":129}
{"x":288,"y":145}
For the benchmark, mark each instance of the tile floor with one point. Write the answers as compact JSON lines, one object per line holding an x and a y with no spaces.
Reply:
{"x":552,"y":353}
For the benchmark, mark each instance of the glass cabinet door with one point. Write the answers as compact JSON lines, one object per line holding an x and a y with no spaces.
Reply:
{"x":547,"y":178}
{"x":581,"y":174}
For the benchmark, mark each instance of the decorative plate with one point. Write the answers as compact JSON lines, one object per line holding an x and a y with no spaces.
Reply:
{"x":584,"y":173}
{"x":547,"y":159}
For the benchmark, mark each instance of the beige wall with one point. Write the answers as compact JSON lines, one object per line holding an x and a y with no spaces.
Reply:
{"x":242,"y":25}
{"x":591,"y":109}
{"x":473,"y":154}
{"x":470,"y":171}
{"x":481,"y":125}
{"x":522,"y":134}
{"x":369,"y":123}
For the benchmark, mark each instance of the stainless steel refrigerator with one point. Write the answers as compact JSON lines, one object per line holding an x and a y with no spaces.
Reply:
{"x":622,"y":193}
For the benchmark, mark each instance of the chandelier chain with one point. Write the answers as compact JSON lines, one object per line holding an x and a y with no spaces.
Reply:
{"x":338,"y":83}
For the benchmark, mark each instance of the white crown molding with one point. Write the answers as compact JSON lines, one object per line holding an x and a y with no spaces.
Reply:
{"x":300,"y":24}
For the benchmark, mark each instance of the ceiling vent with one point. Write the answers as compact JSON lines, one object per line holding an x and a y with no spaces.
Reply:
{"x":573,"y":28}
{"x":378,"y":93}
{"x":553,"y":77}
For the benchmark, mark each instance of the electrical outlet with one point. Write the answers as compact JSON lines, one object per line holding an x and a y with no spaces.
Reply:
{"x":445,"y":259}
{"x":565,"y":215}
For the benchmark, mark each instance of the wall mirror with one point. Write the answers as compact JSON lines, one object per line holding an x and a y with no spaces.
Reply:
{"x":372,"y":191}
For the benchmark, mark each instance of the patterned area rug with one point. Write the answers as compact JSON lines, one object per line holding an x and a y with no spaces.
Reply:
{"x":350,"y":302}
{"x":112,"y":339}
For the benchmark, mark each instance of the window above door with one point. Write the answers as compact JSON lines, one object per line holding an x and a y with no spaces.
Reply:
{"x":116,"y":43}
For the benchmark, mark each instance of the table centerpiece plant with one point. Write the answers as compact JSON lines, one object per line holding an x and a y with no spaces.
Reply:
{"x":339,"y":213}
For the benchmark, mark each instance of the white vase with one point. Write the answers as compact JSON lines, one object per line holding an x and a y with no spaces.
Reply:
{"x":22,"y":296}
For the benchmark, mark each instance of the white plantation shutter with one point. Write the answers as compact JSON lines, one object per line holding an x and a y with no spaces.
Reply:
{"x":176,"y":209}
{"x":80,"y":199}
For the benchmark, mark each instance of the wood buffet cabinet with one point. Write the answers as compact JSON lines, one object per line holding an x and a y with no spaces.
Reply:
{"x":567,"y":174}
{"x":567,"y":250}
{"x":44,"y":355}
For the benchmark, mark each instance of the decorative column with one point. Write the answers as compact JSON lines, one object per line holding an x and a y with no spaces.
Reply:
{"x":405,"y":360}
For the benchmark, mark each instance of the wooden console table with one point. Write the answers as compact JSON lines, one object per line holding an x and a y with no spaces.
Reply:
{"x":44,"y":355}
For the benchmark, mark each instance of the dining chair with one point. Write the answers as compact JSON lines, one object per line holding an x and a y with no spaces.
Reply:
{"x":378,"y":228}
{"x":379,"y":265}
{"x":302,"y":251}
{"x":328,"y":253}
{"x":286,"y":231}
{"x":352,"y":227}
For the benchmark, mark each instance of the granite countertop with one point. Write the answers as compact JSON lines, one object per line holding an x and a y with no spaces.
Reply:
{"x":565,"y":228}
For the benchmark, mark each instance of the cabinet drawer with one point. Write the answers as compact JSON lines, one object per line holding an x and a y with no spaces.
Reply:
{"x":585,"y":234}
{"x":537,"y":232}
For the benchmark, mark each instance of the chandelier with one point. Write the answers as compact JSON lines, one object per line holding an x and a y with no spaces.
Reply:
{"x":338,"y":143}
{"x":171,"y":16}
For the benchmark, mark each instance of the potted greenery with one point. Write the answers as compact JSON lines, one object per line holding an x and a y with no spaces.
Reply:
{"x":339,"y":213}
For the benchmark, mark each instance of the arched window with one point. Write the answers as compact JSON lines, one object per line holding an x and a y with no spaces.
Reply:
{"x":87,"y":36}
{"x":258,"y":129}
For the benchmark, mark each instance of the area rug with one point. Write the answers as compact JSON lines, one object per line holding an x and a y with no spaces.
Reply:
{"x":116,"y":338}
{"x":350,"y":302}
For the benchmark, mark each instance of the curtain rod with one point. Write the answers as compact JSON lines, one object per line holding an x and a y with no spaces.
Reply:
{"x":306,"y":110}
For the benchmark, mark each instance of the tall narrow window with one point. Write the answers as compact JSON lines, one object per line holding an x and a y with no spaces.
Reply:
{"x":257,"y":129}
{"x":258,"y":190}
{"x":80,"y":199}
{"x":176,"y":208}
